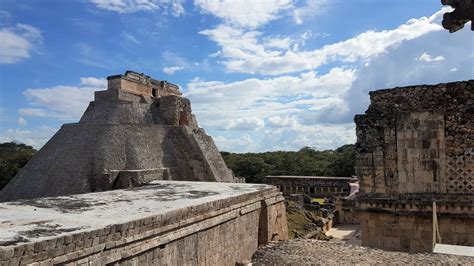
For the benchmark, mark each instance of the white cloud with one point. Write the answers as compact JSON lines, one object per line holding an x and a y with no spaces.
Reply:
{"x":282,"y":121}
{"x":321,"y":137}
{"x":62,"y":102}
{"x":310,"y":8}
{"x":35,"y":137}
{"x":18,"y":42}
{"x":427,"y":58}
{"x":245,"y":13}
{"x":284,"y":96}
{"x":94,"y":82}
{"x":175,"y":7}
{"x":22,"y":121}
{"x":453,"y":69}
{"x":396,"y":68}
{"x":172,"y":70}
{"x":242,"y":144}
{"x":250,"y":52}
{"x":245,"y":123}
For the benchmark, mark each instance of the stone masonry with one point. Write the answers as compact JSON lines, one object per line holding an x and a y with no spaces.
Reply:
{"x":415,"y":145}
{"x":138,"y":130}
{"x":463,"y":13}
{"x":164,"y":223}
{"x":315,"y":186}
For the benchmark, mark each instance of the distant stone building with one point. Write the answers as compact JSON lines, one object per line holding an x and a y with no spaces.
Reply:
{"x":415,"y":145}
{"x":316,"y":186}
{"x":138,"y":130}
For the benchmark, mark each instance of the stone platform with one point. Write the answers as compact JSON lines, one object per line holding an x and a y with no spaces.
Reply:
{"x":166,"y":222}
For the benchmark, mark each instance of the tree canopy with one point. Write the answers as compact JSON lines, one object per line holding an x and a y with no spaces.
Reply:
{"x":306,"y":161}
{"x":13,"y":157}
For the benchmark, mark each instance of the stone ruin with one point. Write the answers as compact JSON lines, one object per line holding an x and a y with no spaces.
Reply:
{"x":415,"y":145}
{"x":161,"y":223}
{"x":314,"y":186}
{"x":138,"y":130}
{"x":462,"y":14}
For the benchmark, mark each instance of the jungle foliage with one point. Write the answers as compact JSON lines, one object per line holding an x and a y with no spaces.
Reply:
{"x":306,"y":161}
{"x":13,"y":157}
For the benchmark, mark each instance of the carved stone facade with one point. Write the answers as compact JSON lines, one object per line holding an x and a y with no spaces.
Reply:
{"x":416,"y":145}
{"x":136,"y":131}
{"x":140,"y":84}
{"x":315,"y":186}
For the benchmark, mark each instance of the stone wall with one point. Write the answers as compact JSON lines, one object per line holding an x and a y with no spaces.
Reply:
{"x":130,"y":86}
{"x":415,"y":145}
{"x":346,"y":212}
{"x":316,"y":186}
{"x":413,"y":233}
{"x":142,"y":85}
{"x":167,"y":223}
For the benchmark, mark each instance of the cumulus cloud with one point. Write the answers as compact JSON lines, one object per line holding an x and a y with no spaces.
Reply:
{"x":245,"y":123}
{"x":321,"y":137}
{"x":62,"y":102}
{"x":172,"y":70}
{"x":266,"y":97}
{"x":244,"y":13}
{"x":247,"y":51}
{"x":396,"y":68}
{"x":35,"y":137}
{"x":175,"y":7}
{"x":282,"y":121}
{"x":309,"y":109}
{"x":427,"y":58}
{"x":18,"y":42}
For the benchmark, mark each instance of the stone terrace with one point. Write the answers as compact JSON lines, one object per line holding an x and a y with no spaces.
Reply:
{"x":169,"y":222}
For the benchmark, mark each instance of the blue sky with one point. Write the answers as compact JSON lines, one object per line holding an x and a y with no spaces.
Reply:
{"x":261,"y":75}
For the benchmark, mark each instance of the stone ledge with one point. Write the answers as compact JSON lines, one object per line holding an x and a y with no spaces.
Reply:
{"x":144,"y":229}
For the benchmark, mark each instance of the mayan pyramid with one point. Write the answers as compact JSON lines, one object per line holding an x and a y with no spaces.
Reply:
{"x":138,"y":130}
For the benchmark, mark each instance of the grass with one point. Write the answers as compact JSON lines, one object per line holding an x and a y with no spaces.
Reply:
{"x":319,"y":200}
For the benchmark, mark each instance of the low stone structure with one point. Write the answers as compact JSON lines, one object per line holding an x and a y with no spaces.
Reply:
{"x":315,"y":186}
{"x":137,"y":131}
{"x":346,"y":211}
{"x":164,"y":223}
{"x":415,"y":145}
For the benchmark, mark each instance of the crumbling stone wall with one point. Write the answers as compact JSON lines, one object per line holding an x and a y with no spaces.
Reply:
{"x":416,"y":145}
{"x":141,"y":84}
{"x":418,"y":139}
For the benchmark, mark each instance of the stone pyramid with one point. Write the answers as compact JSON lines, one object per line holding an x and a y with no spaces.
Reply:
{"x":138,"y":130}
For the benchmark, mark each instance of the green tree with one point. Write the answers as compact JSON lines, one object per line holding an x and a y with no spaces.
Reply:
{"x":306,"y":161}
{"x":13,"y":157}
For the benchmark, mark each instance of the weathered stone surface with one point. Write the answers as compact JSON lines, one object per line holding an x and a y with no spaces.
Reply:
{"x":166,"y":222}
{"x":316,"y":252}
{"x":415,"y":145}
{"x":462,"y":14}
{"x":125,"y":138}
{"x":316,"y":186}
